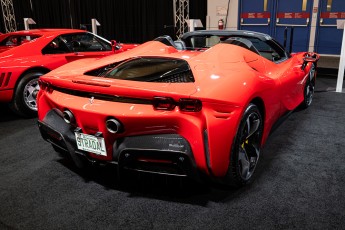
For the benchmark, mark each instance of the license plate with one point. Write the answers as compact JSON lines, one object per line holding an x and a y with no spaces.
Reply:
{"x":91,"y":143}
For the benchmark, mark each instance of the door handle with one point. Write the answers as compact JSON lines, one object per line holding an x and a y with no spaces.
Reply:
{"x":294,"y":25}
{"x":255,"y":24}
{"x":326,"y":25}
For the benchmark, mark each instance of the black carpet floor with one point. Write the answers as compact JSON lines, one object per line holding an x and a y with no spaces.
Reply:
{"x":300,"y":183}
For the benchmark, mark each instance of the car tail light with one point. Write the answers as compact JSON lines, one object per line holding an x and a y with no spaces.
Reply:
{"x":190,"y":105}
{"x":46,"y":86}
{"x":163,"y":103}
{"x":185,"y":104}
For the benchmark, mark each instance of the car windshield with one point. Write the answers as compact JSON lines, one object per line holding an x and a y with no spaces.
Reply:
{"x":269,"y":49}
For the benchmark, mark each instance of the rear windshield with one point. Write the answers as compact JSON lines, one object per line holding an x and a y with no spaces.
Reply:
{"x":152,"y":69}
{"x":16,"y":40}
{"x":203,"y":41}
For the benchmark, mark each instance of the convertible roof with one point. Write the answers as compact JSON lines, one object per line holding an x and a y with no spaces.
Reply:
{"x":231,"y":33}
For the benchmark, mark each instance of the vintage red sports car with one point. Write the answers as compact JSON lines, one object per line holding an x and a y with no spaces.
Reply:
{"x":26,"y":55}
{"x":203,"y":105}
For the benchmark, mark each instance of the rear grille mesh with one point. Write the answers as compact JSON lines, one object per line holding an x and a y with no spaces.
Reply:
{"x":177,"y":78}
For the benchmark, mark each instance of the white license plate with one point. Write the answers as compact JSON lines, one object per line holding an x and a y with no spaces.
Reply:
{"x":91,"y":143}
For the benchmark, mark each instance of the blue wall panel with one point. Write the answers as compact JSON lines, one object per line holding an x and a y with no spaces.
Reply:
{"x":328,"y":37}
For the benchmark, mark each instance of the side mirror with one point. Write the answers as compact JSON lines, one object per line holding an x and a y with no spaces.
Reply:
{"x":309,"y":57}
{"x":114,"y":46}
{"x":275,"y":56}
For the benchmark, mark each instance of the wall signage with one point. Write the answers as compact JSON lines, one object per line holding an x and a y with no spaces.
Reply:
{"x":256,"y":15}
{"x":333,"y":15}
{"x":293,"y":15}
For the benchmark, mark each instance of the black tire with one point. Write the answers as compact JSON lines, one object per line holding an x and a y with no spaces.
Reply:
{"x":245,"y":152}
{"x":309,"y":89}
{"x":24,"y":98}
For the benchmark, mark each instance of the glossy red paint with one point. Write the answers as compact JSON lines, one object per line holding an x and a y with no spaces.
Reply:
{"x":22,"y":52}
{"x":227,"y":79}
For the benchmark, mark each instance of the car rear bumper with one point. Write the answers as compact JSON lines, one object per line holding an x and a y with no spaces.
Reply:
{"x":168,"y":154}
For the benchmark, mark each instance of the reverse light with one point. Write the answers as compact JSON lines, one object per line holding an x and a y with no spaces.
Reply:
{"x":190,"y":105}
{"x":163,"y":103}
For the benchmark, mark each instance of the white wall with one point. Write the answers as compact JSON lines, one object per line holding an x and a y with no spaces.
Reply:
{"x":313,"y":26}
{"x":212,"y":17}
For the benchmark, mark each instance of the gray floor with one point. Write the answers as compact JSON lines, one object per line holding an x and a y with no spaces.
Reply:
{"x":299,"y":184}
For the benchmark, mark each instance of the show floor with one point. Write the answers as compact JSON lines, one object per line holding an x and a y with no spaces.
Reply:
{"x":300,"y":182}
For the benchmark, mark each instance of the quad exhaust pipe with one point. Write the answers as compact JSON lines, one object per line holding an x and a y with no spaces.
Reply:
{"x":113,"y":125}
{"x":68,"y":117}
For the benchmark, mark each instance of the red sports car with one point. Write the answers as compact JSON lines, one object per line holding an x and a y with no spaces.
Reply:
{"x":200,"y":106}
{"x":26,"y":55}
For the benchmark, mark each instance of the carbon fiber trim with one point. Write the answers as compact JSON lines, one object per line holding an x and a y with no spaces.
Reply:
{"x":207,"y":151}
{"x":168,"y":154}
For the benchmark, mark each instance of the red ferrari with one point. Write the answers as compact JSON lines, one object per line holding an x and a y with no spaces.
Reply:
{"x":203,"y":105}
{"x":26,"y":55}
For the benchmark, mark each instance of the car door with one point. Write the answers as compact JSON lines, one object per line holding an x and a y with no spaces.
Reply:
{"x":70,"y":47}
{"x":288,"y":72}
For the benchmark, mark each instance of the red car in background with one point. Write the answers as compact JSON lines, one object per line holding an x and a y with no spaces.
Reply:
{"x":203,"y":105}
{"x":26,"y":55}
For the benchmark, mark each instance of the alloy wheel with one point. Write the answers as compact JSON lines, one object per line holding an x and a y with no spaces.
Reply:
{"x":30,"y":94}
{"x":249,"y":149}
{"x":310,"y":87}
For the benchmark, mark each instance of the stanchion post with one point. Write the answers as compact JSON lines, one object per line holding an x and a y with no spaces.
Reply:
{"x":193,"y":23}
{"x":339,"y":88}
{"x":28,"y":22}
{"x":94,"y":24}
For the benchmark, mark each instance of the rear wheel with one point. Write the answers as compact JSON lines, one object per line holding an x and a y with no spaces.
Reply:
{"x":24,"y":99}
{"x":309,"y":88}
{"x":245,"y":151}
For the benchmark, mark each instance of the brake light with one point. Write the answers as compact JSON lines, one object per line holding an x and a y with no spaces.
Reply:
{"x":45,"y":86}
{"x":42,"y":84}
{"x":190,"y":105}
{"x":163,"y":103}
{"x":185,"y":104}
